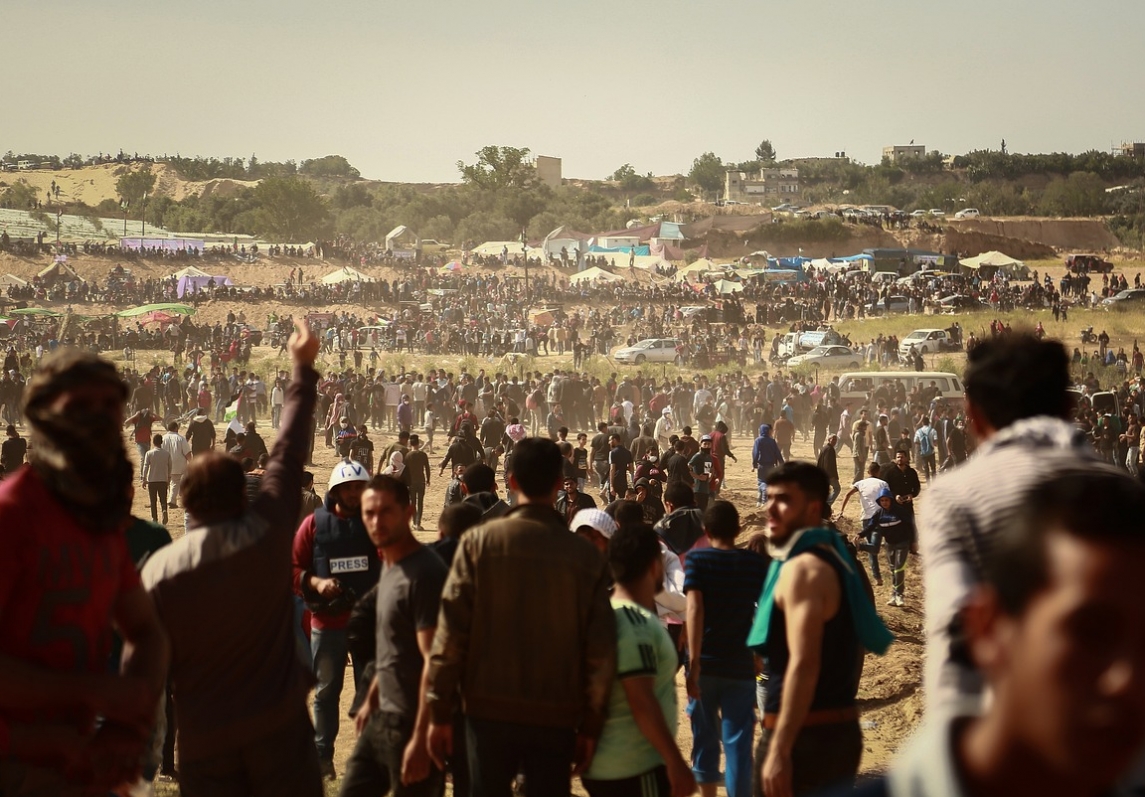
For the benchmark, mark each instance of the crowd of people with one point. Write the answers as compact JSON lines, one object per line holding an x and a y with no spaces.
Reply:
{"x":585,"y":553}
{"x":540,"y":636}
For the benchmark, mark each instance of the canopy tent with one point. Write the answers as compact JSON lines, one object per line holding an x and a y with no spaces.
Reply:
{"x":189,"y":271}
{"x":40,"y":311}
{"x":594,"y":273}
{"x":401,"y":235}
{"x":12,"y":280}
{"x":346,"y":274}
{"x":454,"y":265}
{"x":194,"y":284}
{"x":58,"y":271}
{"x":166,"y":307}
{"x":495,"y":248}
{"x":566,"y":238}
{"x":995,"y":261}
{"x":725,"y":287}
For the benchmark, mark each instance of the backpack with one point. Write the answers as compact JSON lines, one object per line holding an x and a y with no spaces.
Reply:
{"x":926,"y":443}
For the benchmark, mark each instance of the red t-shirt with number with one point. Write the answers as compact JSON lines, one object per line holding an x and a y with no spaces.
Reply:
{"x":58,"y":583}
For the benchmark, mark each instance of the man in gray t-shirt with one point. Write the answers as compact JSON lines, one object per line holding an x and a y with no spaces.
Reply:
{"x":392,"y":722}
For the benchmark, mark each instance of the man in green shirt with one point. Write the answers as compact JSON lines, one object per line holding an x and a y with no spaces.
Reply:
{"x":637,"y":753}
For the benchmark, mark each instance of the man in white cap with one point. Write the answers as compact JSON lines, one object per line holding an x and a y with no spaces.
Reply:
{"x":665,"y":425}
{"x":594,"y":525}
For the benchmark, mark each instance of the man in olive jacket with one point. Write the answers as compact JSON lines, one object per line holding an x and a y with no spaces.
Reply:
{"x":525,"y":639}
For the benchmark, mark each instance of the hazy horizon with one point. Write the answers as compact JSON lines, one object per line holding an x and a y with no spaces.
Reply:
{"x":403,"y":93}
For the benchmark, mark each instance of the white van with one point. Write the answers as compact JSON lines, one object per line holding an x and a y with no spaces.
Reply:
{"x":856,"y":386}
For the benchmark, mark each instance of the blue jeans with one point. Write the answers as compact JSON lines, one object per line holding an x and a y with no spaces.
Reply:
{"x":499,"y":750}
{"x":725,"y":712}
{"x":142,"y":448}
{"x":328,"y":650}
{"x":835,"y":490}
{"x":872,"y":548}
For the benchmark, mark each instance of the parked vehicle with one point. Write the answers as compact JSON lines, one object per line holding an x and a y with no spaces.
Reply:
{"x":961,"y":303}
{"x":892,"y":304}
{"x":1086,"y":263}
{"x":651,"y":350}
{"x":1124,"y":298}
{"x":855,"y":387}
{"x":967,"y":213}
{"x":927,"y":341}
{"x":828,"y":357}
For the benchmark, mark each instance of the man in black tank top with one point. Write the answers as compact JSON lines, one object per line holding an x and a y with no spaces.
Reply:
{"x":811,"y":735}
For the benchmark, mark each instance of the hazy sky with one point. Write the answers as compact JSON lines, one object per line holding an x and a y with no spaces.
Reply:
{"x":406,"y":90}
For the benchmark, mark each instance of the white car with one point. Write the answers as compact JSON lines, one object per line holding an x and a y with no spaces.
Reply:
{"x":925,"y":341}
{"x":651,"y":350}
{"x":967,"y":213}
{"x":828,"y":357}
{"x":938,"y":213}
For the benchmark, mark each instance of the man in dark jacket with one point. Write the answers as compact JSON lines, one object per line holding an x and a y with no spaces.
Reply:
{"x":904,"y":484}
{"x":527,"y":637}
{"x":683,"y":526}
{"x":828,"y":462}
{"x":765,"y":456}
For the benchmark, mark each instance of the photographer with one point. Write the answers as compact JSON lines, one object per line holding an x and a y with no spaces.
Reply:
{"x":334,"y":564}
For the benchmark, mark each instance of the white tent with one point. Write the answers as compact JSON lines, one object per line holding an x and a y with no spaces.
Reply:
{"x":693,"y":270}
{"x":993,"y":258}
{"x":725,"y":287}
{"x":346,"y":274}
{"x":565,"y":237}
{"x":189,"y":271}
{"x":998,"y":261}
{"x":12,"y":279}
{"x":494,"y":248}
{"x":398,"y":233}
{"x":594,"y":273}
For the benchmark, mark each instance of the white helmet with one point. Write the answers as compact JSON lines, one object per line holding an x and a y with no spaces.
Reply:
{"x":348,"y":471}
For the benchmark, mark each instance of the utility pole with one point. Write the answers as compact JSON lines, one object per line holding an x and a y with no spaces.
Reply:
{"x":525,"y":252}
{"x":123,"y":207}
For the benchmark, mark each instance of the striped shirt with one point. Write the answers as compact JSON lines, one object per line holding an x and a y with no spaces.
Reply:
{"x":965,"y":510}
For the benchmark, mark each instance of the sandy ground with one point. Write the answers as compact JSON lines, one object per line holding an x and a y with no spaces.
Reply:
{"x":889,"y":696}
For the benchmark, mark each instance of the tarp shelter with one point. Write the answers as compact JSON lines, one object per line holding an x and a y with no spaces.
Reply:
{"x":401,"y":238}
{"x":566,"y":238}
{"x":594,"y":273}
{"x":542,"y":318}
{"x":40,"y":311}
{"x":988,"y":263}
{"x":189,"y":271}
{"x":200,"y":283}
{"x":57,"y":272}
{"x":495,"y":248}
{"x":693,"y":270}
{"x":12,"y":280}
{"x":346,"y":274}
{"x":166,"y":244}
{"x":725,"y":287}
{"x":166,"y":307}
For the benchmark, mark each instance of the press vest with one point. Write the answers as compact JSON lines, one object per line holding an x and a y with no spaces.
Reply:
{"x":343,"y":550}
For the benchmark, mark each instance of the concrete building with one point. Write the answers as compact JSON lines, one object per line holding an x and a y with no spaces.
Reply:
{"x":899,"y":153}
{"x":549,"y":171}
{"x":780,"y":184}
{"x":1133,"y":150}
